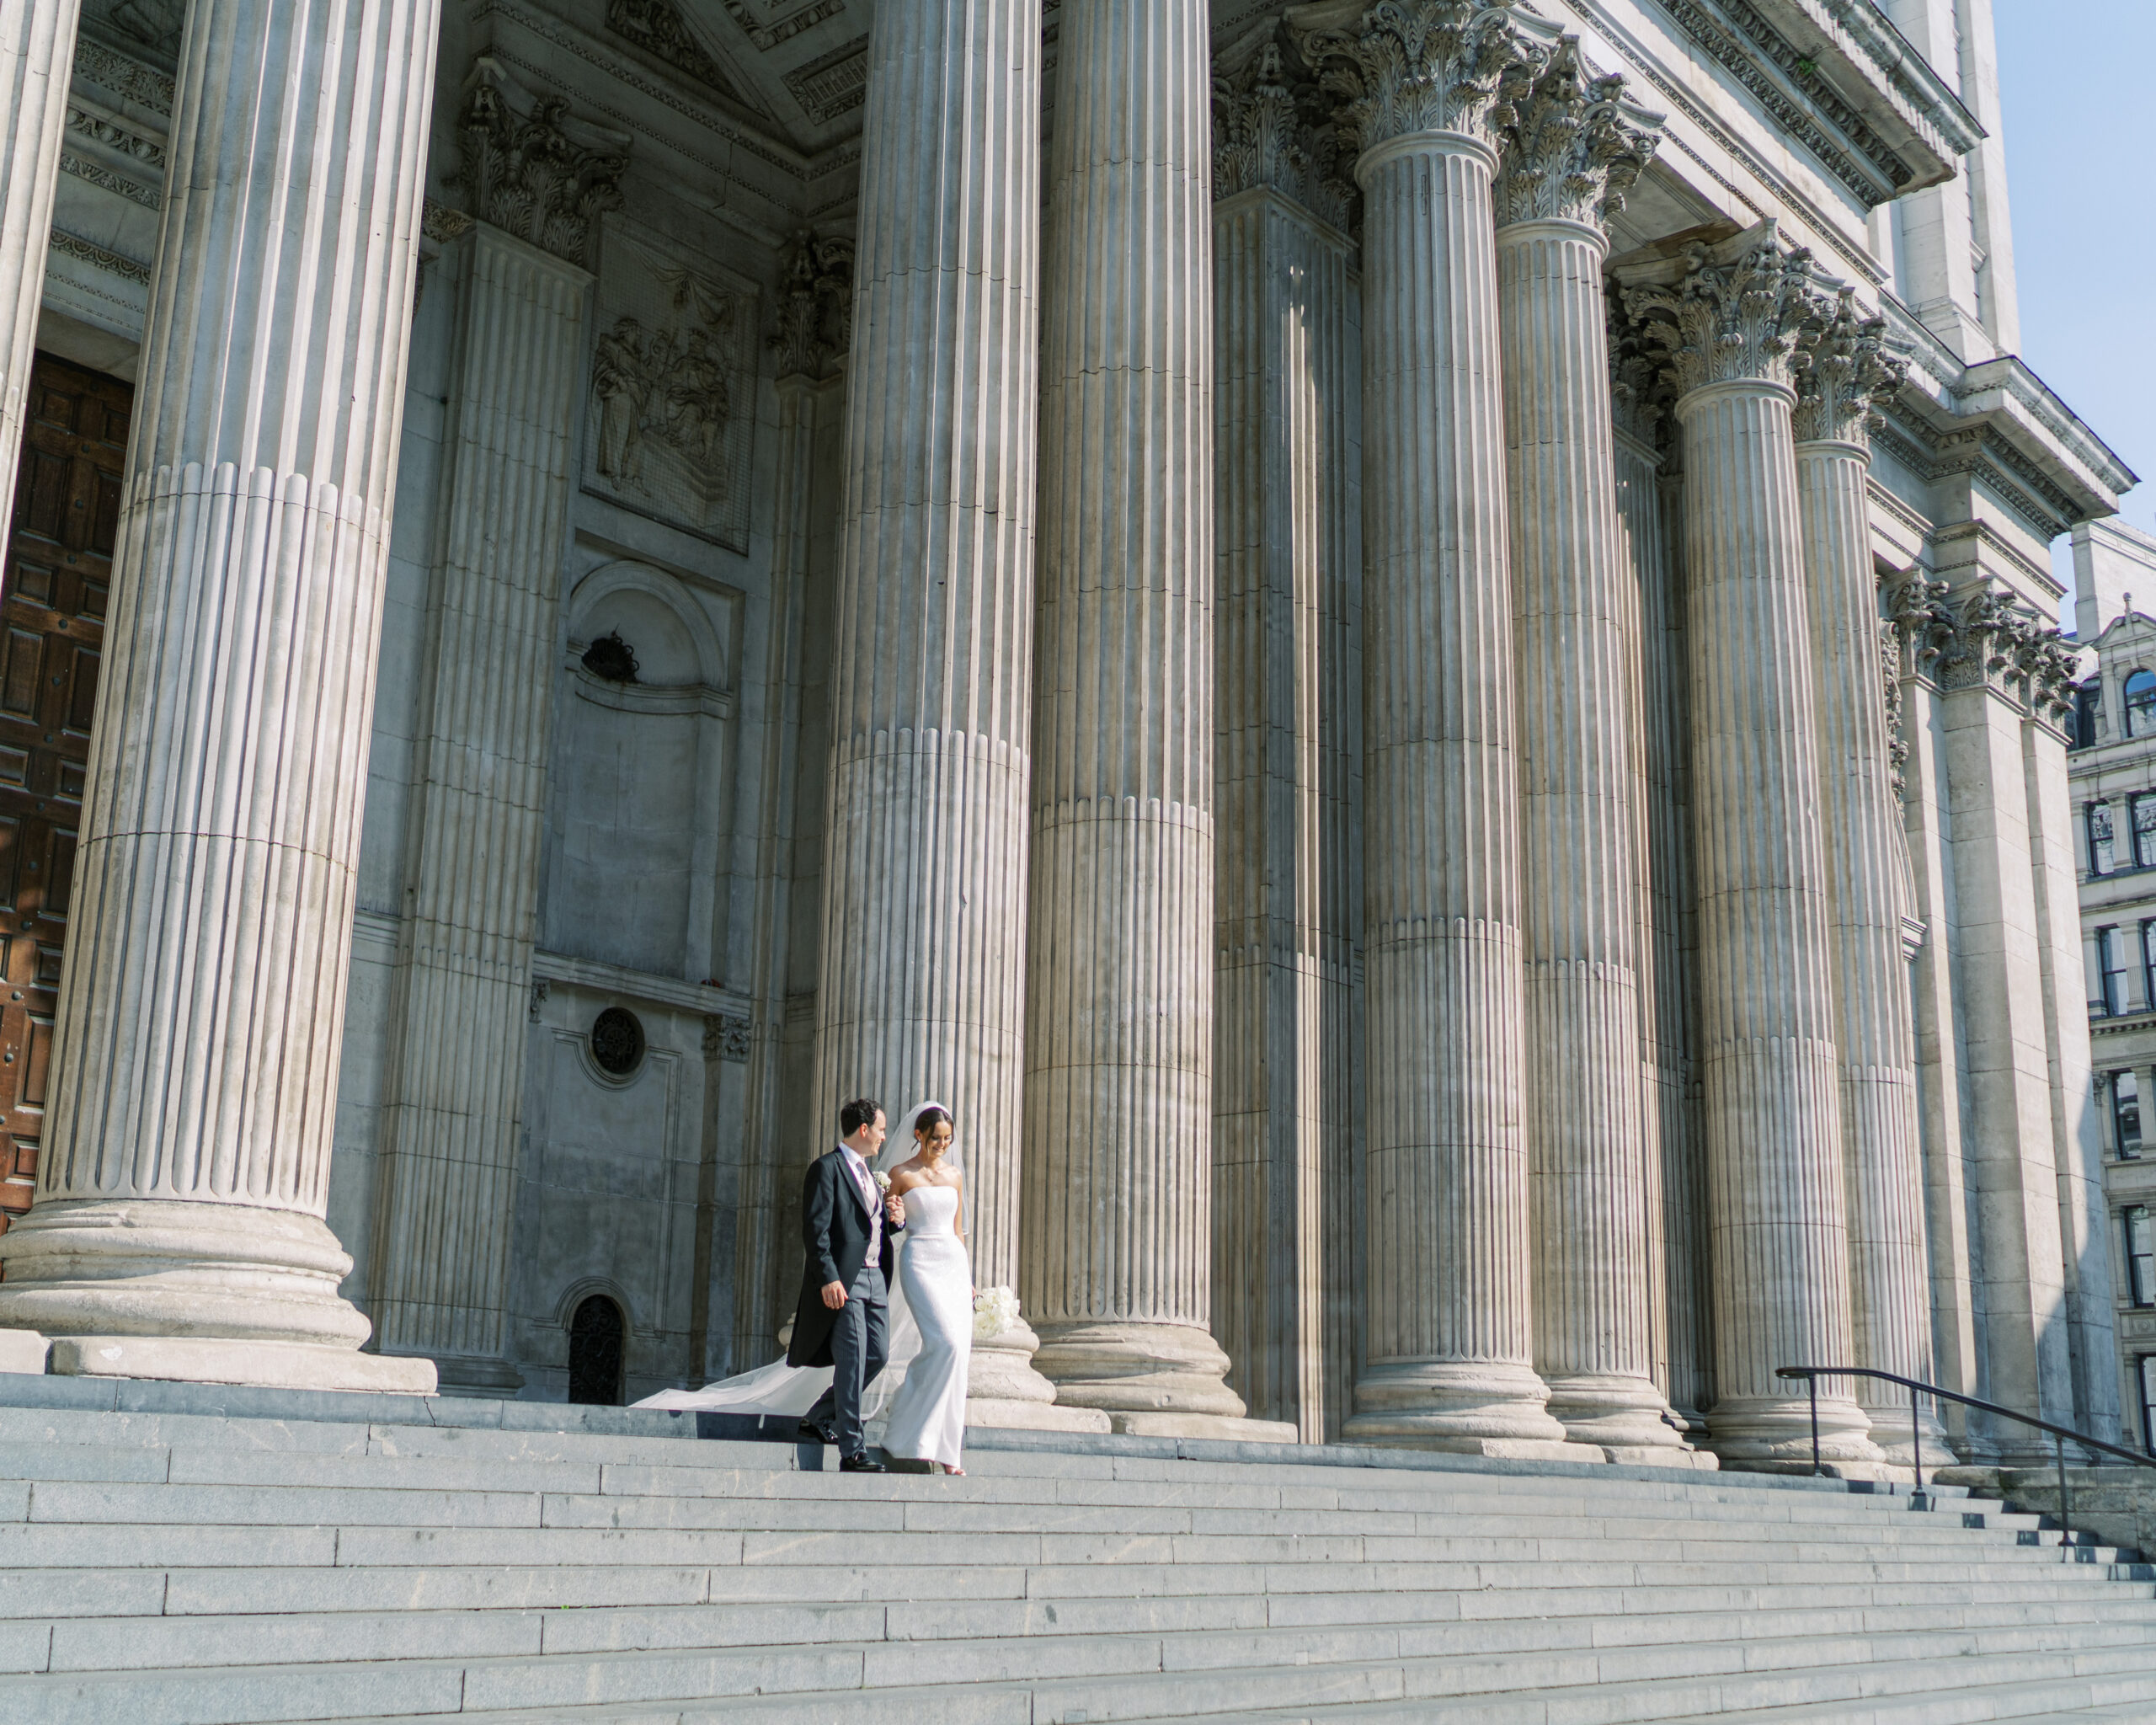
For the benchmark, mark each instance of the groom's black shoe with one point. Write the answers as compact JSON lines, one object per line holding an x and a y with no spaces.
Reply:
{"x":823,"y":1434}
{"x":861,"y":1464}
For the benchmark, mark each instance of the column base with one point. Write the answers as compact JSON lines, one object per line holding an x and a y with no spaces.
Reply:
{"x":1617,"y":1412}
{"x":1132,"y":1368}
{"x":1202,"y":1425}
{"x":1469,"y":1407}
{"x":192,"y":1289}
{"x":1771,"y":1435}
{"x":278,"y":1365}
{"x":22,"y":1351}
{"x":1890,"y":1431}
{"x":480,"y":1376}
{"x":1003,"y":1389}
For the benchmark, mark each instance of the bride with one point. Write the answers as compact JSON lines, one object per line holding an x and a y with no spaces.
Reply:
{"x":928,"y":1419}
{"x":930,"y":1315}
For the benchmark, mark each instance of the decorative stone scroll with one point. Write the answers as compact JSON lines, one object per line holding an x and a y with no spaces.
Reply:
{"x":533,"y":170}
{"x":1730,"y":319}
{"x":1983,"y":639}
{"x":1403,"y":67}
{"x":815,"y":319}
{"x":1843,"y":370}
{"x":1571,"y":152}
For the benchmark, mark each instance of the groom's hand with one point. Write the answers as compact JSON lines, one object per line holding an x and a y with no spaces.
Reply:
{"x":834,"y":1295}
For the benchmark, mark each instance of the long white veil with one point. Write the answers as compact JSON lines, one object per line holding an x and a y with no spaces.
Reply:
{"x":791,"y":1390}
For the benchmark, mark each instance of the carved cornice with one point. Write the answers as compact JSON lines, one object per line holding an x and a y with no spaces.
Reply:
{"x":815,"y":315}
{"x":1734,"y":313}
{"x":1570,"y":151}
{"x":533,"y":170}
{"x":1271,"y":131}
{"x":123,"y":76}
{"x":1843,"y":372}
{"x":1402,"y":67}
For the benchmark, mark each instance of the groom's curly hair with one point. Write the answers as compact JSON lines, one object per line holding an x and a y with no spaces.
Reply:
{"x":855,"y":1114}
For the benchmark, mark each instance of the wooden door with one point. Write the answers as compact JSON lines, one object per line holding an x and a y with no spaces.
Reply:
{"x":52,"y":607}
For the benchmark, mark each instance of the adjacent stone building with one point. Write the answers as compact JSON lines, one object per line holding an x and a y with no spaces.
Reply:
{"x":2113,"y":775}
{"x":1404,"y":646}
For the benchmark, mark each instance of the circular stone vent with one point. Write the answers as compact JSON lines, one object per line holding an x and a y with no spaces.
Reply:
{"x":617,"y":1041}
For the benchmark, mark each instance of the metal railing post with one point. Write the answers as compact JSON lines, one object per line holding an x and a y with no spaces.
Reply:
{"x":1916,"y":1440}
{"x":2065,"y":1531}
{"x":1813,"y":1384}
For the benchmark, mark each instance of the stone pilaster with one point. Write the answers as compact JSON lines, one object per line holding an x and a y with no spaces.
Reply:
{"x":1450,"y":1336}
{"x":1841,"y":370}
{"x":37,"y":51}
{"x":924,"y":878}
{"x":179,"y":1229}
{"x":1648,"y":506}
{"x":452,"y":1120}
{"x":1287,"y":725}
{"x":1117,"y":1261}
{"x":1779,"y":1232}
{"x":1568,"y":154}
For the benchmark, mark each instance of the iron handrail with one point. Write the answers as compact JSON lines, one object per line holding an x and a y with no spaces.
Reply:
{"x":1917,"y":1386}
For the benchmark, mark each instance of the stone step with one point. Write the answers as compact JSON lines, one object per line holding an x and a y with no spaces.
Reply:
{"x":1562,"y":1689}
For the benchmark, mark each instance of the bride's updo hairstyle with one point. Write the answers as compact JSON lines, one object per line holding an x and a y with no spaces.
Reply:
{"x":928,"y":1120}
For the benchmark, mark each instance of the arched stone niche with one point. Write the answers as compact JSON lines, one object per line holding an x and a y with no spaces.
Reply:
{"x":639,"y":777}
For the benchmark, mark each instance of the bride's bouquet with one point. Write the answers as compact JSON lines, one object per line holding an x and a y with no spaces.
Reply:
{"x":995,"y":1310}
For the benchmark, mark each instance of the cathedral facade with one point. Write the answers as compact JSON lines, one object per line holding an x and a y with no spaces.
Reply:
{"x":1404,"y":646}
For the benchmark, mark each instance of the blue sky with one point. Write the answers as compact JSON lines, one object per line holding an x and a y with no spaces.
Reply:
{"x":2080,"y":115}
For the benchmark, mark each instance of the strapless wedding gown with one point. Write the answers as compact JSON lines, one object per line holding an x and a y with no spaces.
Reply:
{"x":928,"y":1415}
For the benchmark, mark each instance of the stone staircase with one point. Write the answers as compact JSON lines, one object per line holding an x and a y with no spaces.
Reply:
{"x":179,"y":1555}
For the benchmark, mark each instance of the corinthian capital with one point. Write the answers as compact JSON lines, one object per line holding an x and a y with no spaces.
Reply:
{"x":1843,"y":369}
{"x":815,"y":318}
{"x":533,"y":169}
{"x":1404,"y":67}
{"x":1570,"y":151}
{"x":1269,"y":131}
{"x":1734,"y":312}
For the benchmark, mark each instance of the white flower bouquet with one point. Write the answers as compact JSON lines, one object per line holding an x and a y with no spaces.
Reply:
{"x":995,"y":1310}
{"x":882,"y":1181}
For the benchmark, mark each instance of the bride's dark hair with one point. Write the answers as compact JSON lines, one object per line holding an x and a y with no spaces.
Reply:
{"x":928,"y":1120}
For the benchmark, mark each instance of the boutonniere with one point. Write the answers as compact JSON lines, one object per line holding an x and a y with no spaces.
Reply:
{"x":882,"y":1181}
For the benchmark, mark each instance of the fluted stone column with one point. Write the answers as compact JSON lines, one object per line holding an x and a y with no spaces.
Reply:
{"x":1842,"y":369}
{"x":1780,"y":1246}
{"x":1568,"y":156}
{"x":451,"y":1118}
{"x":1287,"y":716}
{"x":1451,"y":1338}
{"x":37,"y":52}
{"x":923,"y":948}
{"x":1119,"y":1002}
{"x":179,"y":1228}
{"x":1647,"y":493}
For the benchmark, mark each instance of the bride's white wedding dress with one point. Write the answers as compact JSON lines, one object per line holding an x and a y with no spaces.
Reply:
{"x":928,"y":1416}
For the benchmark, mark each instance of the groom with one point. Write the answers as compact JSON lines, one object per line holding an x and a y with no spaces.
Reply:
{"x":846,"y":1227}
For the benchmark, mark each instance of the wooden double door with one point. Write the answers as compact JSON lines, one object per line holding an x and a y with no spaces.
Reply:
{"x":53,"y":614}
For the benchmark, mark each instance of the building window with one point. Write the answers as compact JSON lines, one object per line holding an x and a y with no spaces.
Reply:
{"x":2110,"y":965}
{"x":2141,"y":816}
{"x":2144,"y":1372}
{"x":2126,"y":1113}
{"x":596,"y":1333}
{"x":2140,"y":1257}
{"x":2148,"y":962}
{"x":2141,"y":704}
{"x":2099,"y":838}
{"x":2088,"y":708}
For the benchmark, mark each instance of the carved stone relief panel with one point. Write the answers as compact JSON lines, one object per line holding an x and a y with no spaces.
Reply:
{"x":673,"y":382}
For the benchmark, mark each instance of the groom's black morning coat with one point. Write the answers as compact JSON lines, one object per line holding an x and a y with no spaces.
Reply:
{"x":834,"y":1228}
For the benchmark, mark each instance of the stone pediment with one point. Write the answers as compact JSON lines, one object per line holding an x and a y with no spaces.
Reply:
{"x":805,"y":61}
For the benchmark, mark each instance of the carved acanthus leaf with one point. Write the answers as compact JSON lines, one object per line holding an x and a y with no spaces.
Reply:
{"x":1843,"y":371}
{"x":1991,"y":639}
{"x":1272,"y":129}
{"x":1404,"y":67}
{"x":1640,"y":392}
{"x":1570,"y":151}
{"x":815,"y":315}
{"x":1890,"y":676}
{"x":1735,"y":314}
{"x":533,"y":169}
